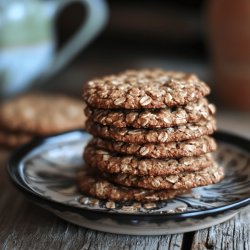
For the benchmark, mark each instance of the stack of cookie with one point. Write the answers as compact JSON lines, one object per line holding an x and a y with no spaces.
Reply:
{"x":151,"y":136}
{"x":37,"y":114}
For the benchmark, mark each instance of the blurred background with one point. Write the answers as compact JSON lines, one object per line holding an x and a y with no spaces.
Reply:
{"x":167,"y":34}
{"x":209,"y":38}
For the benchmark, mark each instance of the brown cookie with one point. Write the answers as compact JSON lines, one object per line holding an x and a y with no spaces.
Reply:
{"x":109,"y":162}
{"x":178,"y":133}
{"x":12,"y":140}
{"x":152,"y":118}
{"x":207,"y":176}
{"x":136,"y":89}
{"x":193,"y":147}
{"x":93,"y":185}
{"x":41,"y":114}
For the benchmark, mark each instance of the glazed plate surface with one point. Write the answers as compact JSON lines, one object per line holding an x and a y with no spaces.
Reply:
{"x":45,"y":171}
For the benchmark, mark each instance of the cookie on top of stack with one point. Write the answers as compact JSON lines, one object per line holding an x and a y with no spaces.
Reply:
{"x":37,"y":114}
{"x":151,"y":136}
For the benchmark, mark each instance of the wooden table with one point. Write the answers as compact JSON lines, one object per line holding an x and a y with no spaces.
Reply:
{"x":26,"y":226}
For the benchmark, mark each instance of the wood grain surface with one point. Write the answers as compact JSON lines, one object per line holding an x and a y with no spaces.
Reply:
{"x":232,"y":234}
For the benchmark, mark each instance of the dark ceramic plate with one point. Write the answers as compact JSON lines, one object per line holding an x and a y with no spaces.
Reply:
{"x":45,"y":171}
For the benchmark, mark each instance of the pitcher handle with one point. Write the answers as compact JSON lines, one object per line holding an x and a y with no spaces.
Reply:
{"x":97,"y":12}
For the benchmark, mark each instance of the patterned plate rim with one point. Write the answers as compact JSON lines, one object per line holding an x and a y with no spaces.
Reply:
{"x":16,"y":177}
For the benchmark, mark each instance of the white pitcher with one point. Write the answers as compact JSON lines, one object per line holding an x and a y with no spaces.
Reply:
{"x":27,"y":40}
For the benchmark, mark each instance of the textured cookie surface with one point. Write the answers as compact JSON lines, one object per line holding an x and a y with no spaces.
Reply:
{"x":136,"y":89}
{"x":152,"y":118}
{"x":12,"y":140}
{"x":178,"y":133}
{"x":207,"y":176}
{"x":41,"y":114}
{"x":115,"y":163}
{"x":193,"y":147}
{"x":93,"y":185}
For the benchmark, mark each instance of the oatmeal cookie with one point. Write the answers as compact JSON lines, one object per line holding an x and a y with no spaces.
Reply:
{"x":93,"y":185}
{"x":207,"y":176}
{"x":41,"y":114}
{"x":12,"y":140}
{"x":152,"y":118}
{"x":178,"y":133}
{"x":193,"y":147}
{"x":137,"y":89}
{"x":109,"y":162}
